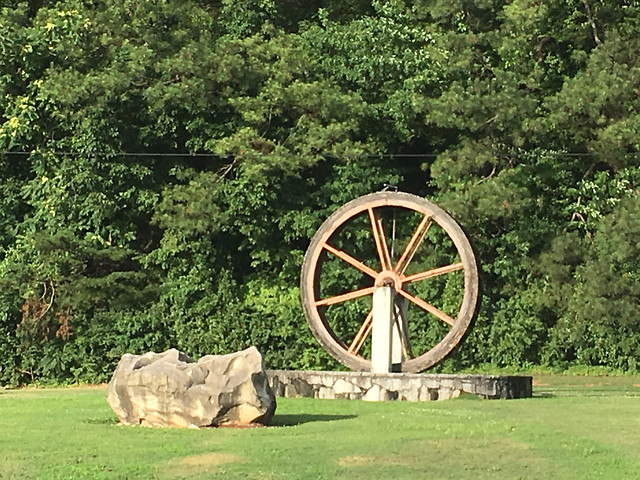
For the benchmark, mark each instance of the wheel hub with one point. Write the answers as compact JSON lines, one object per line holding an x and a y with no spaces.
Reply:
{"x":389,"y":278}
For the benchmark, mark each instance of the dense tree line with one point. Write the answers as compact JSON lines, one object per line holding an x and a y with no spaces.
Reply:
{"x":164,"y":164}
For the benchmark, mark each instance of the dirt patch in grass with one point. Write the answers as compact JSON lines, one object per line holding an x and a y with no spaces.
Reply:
{"x":10,"y":468}
{"x":481,"y":454}
{"x":364,"y":460}
{"x":209,"y":459}
{"x":196,"y":464}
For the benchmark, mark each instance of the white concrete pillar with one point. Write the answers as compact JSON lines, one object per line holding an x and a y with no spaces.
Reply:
{"x":381,"y":332}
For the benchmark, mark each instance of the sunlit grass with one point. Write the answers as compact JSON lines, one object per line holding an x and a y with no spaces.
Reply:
{"x":574,"y":428}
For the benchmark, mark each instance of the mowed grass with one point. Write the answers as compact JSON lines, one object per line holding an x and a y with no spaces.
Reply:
{"x":573,"y":428}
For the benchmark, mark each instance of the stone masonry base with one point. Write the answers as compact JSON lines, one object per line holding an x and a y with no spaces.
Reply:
{"x":395,"y":386}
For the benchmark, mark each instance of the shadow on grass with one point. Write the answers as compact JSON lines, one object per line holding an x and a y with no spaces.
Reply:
{"x":293,"y":420}
{"x":278,"y":420}
{"x":102,"y":421}
{"x":537,"y":394}
{"x":568,"y":393}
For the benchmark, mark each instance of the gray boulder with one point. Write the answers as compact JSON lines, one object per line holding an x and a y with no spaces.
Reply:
{"x":171,"y":390}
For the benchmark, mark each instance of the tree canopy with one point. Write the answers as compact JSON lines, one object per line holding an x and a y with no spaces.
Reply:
{"x":163,"y":166}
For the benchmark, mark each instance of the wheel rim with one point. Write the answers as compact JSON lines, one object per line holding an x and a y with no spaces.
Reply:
{"x":320,"y":285}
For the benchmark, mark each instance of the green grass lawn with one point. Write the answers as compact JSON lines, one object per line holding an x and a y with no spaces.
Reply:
{"x":573,"y":428}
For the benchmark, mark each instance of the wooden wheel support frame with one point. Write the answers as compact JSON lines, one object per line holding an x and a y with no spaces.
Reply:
{"x":388,"y":272}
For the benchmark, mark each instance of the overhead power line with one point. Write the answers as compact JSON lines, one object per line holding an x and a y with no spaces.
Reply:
{"x":289,"y":155}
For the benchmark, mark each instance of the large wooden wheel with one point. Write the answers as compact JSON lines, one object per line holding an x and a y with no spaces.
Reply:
{"x":390,"y":239}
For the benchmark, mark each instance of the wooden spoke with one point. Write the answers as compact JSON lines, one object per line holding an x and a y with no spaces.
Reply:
{"x":351,"y":261}
{"x":405,"y":347}
{"x":345,"y":296}
{"x":428,"y":307}
{"x":403,"y":340}
{"x":380,"y":239}
{"x":413,"y":245}
{"x":434,"y":272}
{"x":363,"y":333}
{"x":385,"y":247}
{"x":354,"y":274}
{"x":402,"y":329}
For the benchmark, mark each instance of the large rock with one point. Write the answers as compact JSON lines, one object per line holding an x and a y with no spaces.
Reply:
{"x":171,"y":390}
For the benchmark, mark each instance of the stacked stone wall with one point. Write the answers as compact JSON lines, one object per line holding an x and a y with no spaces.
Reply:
{"x":395,"y":386}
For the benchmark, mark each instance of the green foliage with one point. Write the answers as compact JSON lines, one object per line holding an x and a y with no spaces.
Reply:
{"x":520,"y":118}
{"x":598,"y":321}
{"x":229,"y":283}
